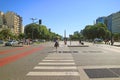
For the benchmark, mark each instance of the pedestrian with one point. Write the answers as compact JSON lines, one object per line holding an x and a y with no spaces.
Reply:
{"x":79,"y":41}
{"x":56,"y":44}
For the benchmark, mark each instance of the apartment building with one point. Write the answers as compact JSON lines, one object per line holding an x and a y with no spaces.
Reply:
{"x":12,"y":21}
{"x":2,"y":21}
{"x":1,"y":18}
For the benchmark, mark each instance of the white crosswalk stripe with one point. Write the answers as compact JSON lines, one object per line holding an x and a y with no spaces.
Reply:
{"x":53,"y":74}
{"x":56,"y":63}
{"x":55,"y":67}
{"x":57,"y":60}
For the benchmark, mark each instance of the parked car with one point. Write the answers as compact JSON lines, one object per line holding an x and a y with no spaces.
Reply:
{"x":11,"y":43}
{"x":42,"y":40}
{"x":98,"y":40}
{"x":1,"y":42}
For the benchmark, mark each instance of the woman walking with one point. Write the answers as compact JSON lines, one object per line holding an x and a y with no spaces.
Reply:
{"x":56,"y":44}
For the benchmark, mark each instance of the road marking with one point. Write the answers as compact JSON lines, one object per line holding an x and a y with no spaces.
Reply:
{"x":97,"y":67}
{"x":58,"y":60}
{"x":56,"y":63}
{"x":51,"y":62}
{"x":53,"y":74}
{"x":55,"y":67}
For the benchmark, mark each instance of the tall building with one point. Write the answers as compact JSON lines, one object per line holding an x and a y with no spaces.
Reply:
{"x":109,"y":22}
{"x":2,"y":21}
{"x":101,"y":20}
{"x":12,"y":21}
{"x":113,"y":22}
{"x":1,"y":18}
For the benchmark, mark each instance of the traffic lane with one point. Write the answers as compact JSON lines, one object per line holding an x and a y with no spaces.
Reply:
{"x":19,"y":69}
{"x":8,"y":50}
{"x":13,"y":51}
{"x":2,"y":48}
{"x":93,"y":55}
{"x":9,"y":59}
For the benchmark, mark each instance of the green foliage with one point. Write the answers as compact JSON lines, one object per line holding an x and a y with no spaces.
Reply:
{"x":32,"y":31}
{"x":76,"y":36}
{"x":21,"y":36}
{"x":6,"y":34}
{"x":96,"y":31}
{"x":36,"y":31}
{"x":116,"y":36}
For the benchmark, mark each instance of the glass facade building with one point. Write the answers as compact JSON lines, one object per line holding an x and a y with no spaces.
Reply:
{"x":113,"y":22}
{"x":101,"y":20}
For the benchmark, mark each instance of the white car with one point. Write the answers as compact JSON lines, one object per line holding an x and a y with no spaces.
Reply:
{"x":11,"y":43}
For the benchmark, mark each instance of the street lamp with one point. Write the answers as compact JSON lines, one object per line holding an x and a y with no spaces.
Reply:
{"x":111,"y":35}
{"x":33,"y":19}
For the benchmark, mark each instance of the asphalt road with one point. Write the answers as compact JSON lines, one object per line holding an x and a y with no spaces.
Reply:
{"x":43,"y":62}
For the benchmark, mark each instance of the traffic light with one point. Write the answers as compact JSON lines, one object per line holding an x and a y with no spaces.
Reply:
{"x":40,"y":21}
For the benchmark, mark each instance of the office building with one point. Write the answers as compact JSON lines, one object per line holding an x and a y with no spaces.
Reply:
{"x":101,"y":20}
{"x":113,"y":22}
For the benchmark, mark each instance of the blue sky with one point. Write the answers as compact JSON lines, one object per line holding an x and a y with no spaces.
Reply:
{"x":60,"y":15}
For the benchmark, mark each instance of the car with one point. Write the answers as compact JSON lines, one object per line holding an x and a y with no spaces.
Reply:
{"x":42,"y":40}
{"x":98,"y":40}
{"x":1,"y":42}
{"x":11,"y":43}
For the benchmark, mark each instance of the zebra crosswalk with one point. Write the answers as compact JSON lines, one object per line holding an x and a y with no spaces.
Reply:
{"x":55,"y":65}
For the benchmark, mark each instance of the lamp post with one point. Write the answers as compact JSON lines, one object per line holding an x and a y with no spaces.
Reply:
{"x":70,"y":38}
{"x":33,"y":19}
{"x":111,"y":37}
{"x":111,"y":34}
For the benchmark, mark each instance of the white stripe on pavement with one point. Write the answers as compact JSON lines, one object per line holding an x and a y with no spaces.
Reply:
{"x":55,"y":67}
{"x":53,"y":74}
{"x":60,"y":58}
{"x":57,"y":60}
{"x":56,"y":63}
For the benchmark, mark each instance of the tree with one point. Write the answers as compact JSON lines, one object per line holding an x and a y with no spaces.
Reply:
{"x":96,"y":31}
{"x":36,"y":31}
{"x":89,"y":32}
{"x":101,"y":30}
{"x":21,"y":36}
{"x":116,"y":36}
{"x":32,"y":31}
{"x":6,"y":34}
{"x":44,"y":32}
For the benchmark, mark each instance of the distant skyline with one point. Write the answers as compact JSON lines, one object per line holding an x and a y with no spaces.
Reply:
{"x":61,"y":15}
